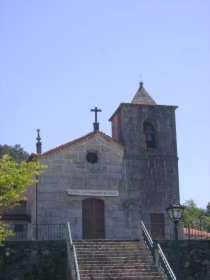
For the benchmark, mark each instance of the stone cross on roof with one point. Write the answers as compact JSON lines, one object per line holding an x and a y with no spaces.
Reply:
{"x":95,"y":124}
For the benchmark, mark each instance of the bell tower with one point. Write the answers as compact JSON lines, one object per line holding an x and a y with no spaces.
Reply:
{"x":148,"y":133}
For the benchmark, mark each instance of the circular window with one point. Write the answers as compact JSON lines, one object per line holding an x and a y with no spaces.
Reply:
{"x":92,"y":157}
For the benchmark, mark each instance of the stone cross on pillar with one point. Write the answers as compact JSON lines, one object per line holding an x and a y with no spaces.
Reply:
{"x":95,"y":124}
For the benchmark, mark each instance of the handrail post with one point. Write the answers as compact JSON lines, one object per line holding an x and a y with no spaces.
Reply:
{"x":157,"y":258}
{"x":140,"y":232}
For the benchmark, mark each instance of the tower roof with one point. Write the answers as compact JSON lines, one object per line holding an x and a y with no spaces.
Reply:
{"x":143,"y":97}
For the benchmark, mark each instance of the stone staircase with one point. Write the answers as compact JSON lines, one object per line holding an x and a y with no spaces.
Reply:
{"x":114,"y":259}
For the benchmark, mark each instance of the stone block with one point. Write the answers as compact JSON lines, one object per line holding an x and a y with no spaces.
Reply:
{"x":111,"y":158}
{"x":118,"y":215}
{"x":56,"y":212}
{"x":112,"y":182}
{"x":82,"y":156}
{"x":96,"y":181}
{"x":79,"y":164}
{"x":71,"y":155}
{"x":74,"y":213}
{"x":79,"y":148}
{"x":50,"y":204}
{"x":51,"y":179}
{"x":65,"y":180}
{"x":49,"y":196}
{"x":92,"y":147}
{"x":77,"y":182}
{"x":69,"y":203}
{"x":56,"y":155}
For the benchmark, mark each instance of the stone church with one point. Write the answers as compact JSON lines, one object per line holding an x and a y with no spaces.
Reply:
{"x":105,"y":185}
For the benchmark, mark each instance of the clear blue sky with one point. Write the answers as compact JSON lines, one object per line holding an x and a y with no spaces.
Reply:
{"x":59,"y":59}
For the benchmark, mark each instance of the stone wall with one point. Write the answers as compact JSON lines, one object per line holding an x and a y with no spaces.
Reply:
{"x":41,"y":260}
{"x":38,"y":260}
{"x":194,"y":258}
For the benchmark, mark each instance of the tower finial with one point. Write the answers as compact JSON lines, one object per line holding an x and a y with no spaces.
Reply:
{"x":38,"y":143}
{"x":140,"y":82}
{"x":141,"y":85}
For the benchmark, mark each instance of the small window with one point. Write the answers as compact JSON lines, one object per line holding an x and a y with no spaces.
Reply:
{"x":92,"y":157}
{"x":157,"y":226}
{"x":149,"y":135}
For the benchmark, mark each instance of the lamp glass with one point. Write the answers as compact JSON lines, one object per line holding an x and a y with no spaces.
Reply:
{"x":175,"y":211}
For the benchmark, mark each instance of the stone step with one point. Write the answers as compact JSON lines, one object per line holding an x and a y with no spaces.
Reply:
{"x":109,"y":276}
{"x":111,"y":250}
{"x":114,"y":271}
{"x":123,"y":278}
{"x":108,"y":253}
{"x":121,"y":243}
{"x":106,"y":259}
{"x":114,"y":263}
{"x":110,"y":259}
{"x":127,"y":255}
{"x":120,"y":261}
{"x":119,"y":276}
{"x":129,"y":263}
{"x":111,"y":247}
{"x":117,"y":265}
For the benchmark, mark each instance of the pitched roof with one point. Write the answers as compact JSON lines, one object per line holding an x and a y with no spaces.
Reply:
{"x":82,"y":138}
{"x":143,"y":97}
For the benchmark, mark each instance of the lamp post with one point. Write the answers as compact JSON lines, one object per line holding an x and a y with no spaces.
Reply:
{"x":175,"y":211}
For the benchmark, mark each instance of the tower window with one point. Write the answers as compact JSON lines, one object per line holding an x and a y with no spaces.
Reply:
{"x":149,"y":135}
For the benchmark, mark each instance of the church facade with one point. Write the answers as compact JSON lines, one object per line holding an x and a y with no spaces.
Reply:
{"x":105,"y":185}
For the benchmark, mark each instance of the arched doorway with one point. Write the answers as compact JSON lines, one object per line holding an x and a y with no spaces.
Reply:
{"x":93,"y":219}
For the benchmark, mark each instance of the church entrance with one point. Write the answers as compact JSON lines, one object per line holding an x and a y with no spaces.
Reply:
{"x":93,"y":219}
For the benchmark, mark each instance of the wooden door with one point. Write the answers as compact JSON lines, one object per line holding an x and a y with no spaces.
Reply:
{"x":93,"y":219}
{"x":157,"y":226}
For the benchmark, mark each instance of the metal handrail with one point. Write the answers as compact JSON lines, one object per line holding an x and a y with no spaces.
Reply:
{"x":72,"y":252}
{"x":168,"y":272}
{"x":157,"y":254}
{"x":148,"y":240}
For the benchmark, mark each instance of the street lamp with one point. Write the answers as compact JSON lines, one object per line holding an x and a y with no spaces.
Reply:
{"x":175,"y":211}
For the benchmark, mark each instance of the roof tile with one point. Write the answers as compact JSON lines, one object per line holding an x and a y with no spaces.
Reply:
{"x":82,"y":138}
{"x":143,"y":97}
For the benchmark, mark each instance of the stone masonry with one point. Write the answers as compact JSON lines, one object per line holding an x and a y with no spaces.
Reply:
{"x":68,"y":169}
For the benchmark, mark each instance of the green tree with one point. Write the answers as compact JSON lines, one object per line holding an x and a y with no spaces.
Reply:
{"x":17,"y":153}
{"x":208,"y":215}
{"x":195,"y":217}
{"x":14,"y":179}
{"x":208,"y":208}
